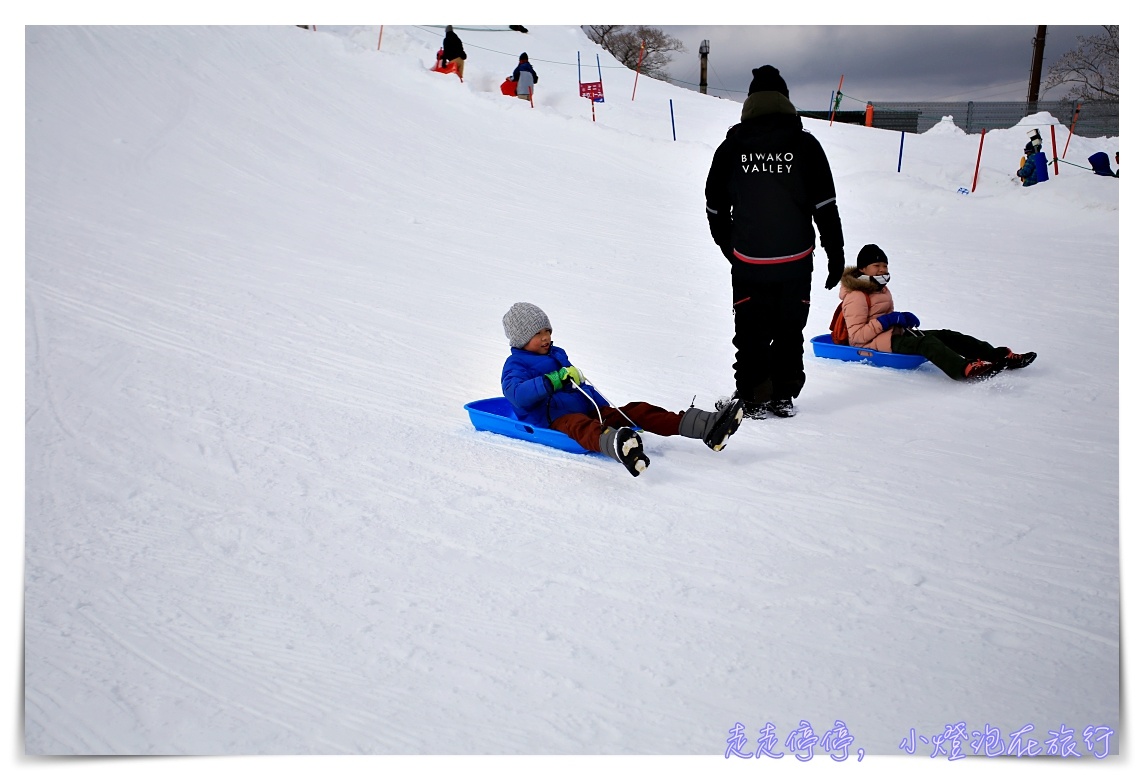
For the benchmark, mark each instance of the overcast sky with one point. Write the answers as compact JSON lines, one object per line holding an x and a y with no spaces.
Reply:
{"x":879,"y":62}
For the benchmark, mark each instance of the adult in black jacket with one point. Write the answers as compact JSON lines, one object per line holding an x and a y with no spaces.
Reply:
{"x":768,"y":180}
{"x":452,"y":50}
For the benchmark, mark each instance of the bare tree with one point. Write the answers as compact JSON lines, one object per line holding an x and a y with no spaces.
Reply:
{"x":1092,"y":68}
{"x":624,"y":42}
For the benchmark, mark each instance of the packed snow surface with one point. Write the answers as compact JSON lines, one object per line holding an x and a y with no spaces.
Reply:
{"x":265,"y":270}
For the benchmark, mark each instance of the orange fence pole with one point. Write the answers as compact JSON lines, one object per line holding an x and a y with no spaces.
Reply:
{"x":638,"y":63}
{"x":869,"y":115}
{"x":1075,"y":115}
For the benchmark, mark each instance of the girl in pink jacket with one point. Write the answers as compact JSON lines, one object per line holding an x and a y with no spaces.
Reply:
{"x":872,"y":323}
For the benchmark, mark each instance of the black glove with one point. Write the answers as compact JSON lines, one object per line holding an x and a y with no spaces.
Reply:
{"x":835,"y":264}
{"x":728,"y":252}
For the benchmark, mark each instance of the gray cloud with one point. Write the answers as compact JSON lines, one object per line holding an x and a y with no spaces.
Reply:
{"x":880,"y":62}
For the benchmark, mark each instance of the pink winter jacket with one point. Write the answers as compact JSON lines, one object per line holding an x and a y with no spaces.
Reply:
{"x":861,"y":323}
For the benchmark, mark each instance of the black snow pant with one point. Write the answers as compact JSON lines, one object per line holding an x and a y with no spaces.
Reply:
{"x":769,"y":320}
{"x":947,"y":349}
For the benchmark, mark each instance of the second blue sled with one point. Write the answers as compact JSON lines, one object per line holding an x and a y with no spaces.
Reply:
{"x":824,"y":347}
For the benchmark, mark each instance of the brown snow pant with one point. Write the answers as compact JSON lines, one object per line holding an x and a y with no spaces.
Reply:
{"x":586,"y":430}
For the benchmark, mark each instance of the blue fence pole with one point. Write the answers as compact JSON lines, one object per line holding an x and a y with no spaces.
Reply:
{"x":831,"y":106}
{"x":901,"y":146}
{"x":671,"y":108}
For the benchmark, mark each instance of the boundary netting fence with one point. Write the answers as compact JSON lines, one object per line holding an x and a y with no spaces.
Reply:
{"x":1096,"y":118}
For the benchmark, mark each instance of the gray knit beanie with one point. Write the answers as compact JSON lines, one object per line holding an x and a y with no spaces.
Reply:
{"x":522,"y":322}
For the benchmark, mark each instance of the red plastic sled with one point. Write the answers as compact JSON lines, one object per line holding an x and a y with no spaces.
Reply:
{"x":448,"y":68}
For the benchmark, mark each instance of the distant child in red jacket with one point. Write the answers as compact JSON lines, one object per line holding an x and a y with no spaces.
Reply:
{"x":546,"y":390}
{"x":872,"y":323}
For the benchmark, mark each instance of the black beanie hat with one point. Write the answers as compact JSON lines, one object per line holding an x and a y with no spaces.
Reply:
{"x":767,"y":79}
{"x":871,"y":253}
{"x":524,"y":56}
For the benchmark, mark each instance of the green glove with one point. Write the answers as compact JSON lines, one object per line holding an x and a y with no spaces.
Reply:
{"x":556,"y":378}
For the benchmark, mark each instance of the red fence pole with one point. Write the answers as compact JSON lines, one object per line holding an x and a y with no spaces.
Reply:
{"x":978,"y":168}
{"x":1075,"y":115}
{"x":638,"y":63}
{"x":1056,"y":165}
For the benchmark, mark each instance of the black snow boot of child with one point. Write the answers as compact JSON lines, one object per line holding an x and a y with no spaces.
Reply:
{"x":624,"y":445}
{"x":714,"y":428}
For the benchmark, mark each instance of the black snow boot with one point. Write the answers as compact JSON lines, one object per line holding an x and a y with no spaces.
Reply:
{"x":751,"y":409}
{"x":624,"y":445}
{"x":714,"y":428}
{"x":781,"y":407}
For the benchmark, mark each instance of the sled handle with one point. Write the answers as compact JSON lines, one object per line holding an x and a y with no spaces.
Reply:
{"x":526,"y":428}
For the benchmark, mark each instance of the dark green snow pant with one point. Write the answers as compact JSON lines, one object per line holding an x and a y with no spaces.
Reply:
{"x":947,"y":349}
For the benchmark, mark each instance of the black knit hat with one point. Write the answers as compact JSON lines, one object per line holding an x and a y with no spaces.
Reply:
{"x":871,"y":253}
{"x":767,"y":79}
{"x":524,"y":56}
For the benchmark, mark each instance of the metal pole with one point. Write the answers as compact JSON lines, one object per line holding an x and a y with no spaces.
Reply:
{"x":1035,"y":69}
{"x":672,"y":109}
{"x":704,"y":50}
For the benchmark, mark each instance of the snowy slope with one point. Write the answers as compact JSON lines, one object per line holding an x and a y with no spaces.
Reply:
{"x":265,"y":270}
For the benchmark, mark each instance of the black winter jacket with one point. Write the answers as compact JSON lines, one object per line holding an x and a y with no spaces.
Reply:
{"x":452,"y":47}
{"x":768,"y":180}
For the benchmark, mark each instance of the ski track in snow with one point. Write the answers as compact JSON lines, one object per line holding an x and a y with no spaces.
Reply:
{"x":258,"y":520}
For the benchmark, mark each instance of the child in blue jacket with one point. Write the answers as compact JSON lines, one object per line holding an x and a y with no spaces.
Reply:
{"x":523,"y":86}
{"x":1028,"y":172}
{"x":546,"y":390}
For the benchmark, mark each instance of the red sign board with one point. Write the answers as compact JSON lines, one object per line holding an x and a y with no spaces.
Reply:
{"x":593,"y":90}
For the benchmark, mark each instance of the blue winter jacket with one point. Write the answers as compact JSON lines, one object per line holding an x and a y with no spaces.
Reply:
{"x":524,"y":66}
{"x":532,"y":397}
{"x":1028,"y":172}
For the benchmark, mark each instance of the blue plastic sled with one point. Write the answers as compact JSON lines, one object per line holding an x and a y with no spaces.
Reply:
{"x":496,"y":415}
{"x":824,"y":347}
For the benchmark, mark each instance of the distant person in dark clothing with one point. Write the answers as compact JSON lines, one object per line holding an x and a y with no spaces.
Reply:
{"x":453,"y":51}
{"x":1100,"y":164}
{"x":1028,"y":170}
{"x":769,"y":180}
{"x":524,"y":76}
